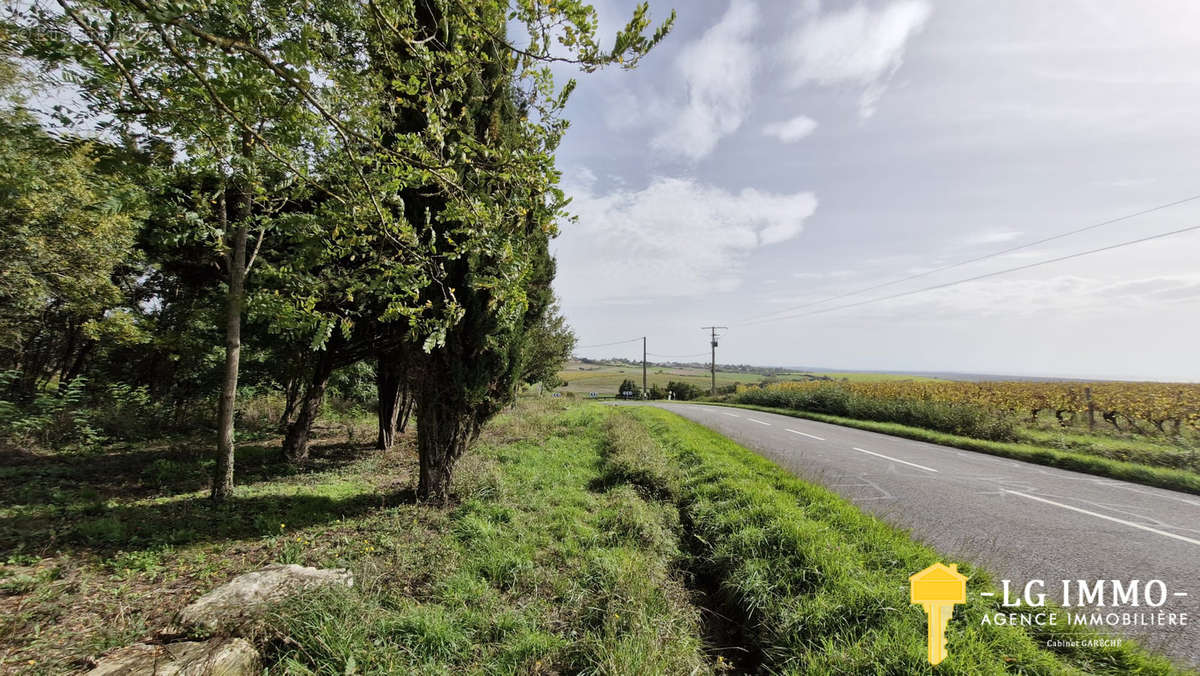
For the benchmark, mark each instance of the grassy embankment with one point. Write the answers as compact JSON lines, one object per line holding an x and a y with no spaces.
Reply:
{"x":580,"y":542}
{"x":1139,"y":461}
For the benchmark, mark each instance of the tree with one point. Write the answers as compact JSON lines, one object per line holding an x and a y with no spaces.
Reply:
{"x":424,"y":136}
{"x":68,"y":216}
{"x":629,"y":386}
{"x":459,"y":144}
{"x":547,"y":348}
{"x":233,"y":123}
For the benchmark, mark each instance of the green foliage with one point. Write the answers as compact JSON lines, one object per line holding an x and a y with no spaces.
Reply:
{"x":685,"y":391}
{"x":548,"y":346}
{"x":627,"y":385}
{"x":55,"y":418}
{"x":67,"y":223}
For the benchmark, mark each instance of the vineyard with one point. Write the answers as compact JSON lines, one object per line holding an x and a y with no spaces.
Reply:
{"x":1167,"y":409}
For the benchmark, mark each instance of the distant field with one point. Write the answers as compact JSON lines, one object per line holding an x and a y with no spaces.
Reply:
{"x":605,"y":379}
{"x":860,"y":377}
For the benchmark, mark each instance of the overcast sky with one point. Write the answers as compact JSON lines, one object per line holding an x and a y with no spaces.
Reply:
{"x":769,"y":155}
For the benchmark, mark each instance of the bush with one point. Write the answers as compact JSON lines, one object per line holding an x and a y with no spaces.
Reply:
{"x":55,"y":418}
{"x":685,"y":391}
{"x":962,"y":419}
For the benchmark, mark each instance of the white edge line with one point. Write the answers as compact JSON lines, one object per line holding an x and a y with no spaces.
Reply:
{"x":1123,"y":522}
{"x":888,"y":457}
{"x":759,"y":422}
{"x":804,"y":434}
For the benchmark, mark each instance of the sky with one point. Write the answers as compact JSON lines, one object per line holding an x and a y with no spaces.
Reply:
{"x":772,"y":155}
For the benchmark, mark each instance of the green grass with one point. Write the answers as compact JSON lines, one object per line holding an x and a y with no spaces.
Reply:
{"x":545,"y":566}
{"x":1091,"y":455}
{"x":577,"y":542}
{"x":821,"y":587}
{"x":545,"y":563}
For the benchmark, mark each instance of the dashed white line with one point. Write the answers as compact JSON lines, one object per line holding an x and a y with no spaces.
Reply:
{"x":888,"y":457}
{"x":804,"y":434}
{"x":759,"y":422}
{"x":1123,"y":522}
{"x":731,"y":415}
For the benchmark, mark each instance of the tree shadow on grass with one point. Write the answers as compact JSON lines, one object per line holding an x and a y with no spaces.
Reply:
{"x":74,"y":502}
{"x":191,"y":521}
{"x":172,"y":468}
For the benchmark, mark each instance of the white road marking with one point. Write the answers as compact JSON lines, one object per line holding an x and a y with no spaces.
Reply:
{"x":805,"y":434}
{"x":759,"y":422}
{"x":1123,"y":522}
{"x":1180,"y":593}
{"x":888,"y":457}
{"x":731,"y":415}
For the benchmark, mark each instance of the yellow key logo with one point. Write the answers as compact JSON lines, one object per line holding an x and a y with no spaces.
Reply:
{"x":938,"y":589}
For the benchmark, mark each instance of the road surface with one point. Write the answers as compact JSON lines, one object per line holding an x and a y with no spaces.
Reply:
{"x":1020,"y":520}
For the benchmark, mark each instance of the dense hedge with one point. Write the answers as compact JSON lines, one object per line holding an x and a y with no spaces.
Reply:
{"x":965,"y":419}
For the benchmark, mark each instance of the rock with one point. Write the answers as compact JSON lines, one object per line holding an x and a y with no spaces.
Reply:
{"x":218,"y":657}
{"x":246,"y":596}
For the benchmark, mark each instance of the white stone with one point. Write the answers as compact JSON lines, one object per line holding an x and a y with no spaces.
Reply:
{"x":246,"y":596}
{"x":218,"y":657}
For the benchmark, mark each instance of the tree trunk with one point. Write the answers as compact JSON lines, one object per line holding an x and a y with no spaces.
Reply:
{"x":444,"y":431}
{"x":389,"y":382}
{"x":223,"y":476}
{"x":291,"y":394}
{"x":406,"y":408}
{"x":295,"y":445}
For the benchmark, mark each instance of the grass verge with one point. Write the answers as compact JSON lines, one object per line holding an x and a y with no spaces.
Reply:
{"x":1076,"y":460}
{"x":547,"y":565}
{"x":822,"y":587}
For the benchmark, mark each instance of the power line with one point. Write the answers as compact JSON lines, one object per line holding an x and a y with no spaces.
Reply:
{"x":977,"y":259}
{"x":677,"y":356}
{"x":983,"y":276}
{"x":619,"y":342}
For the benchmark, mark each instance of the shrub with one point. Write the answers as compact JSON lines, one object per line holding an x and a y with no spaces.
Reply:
{"x":55,"y":418}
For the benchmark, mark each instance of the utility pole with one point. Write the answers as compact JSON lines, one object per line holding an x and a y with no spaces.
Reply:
{"x":714,"y":354}
{"x":644,"y":395}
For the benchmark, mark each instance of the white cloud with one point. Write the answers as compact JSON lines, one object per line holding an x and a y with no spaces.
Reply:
{"x":790,"y":131}
{"x":858,"y":45}
{"x":717,"y":69}
{"x":994,"y":237}
{"x":674,"y":238}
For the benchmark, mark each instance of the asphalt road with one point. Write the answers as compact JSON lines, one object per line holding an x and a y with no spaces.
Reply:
{"x":1020,"y":520}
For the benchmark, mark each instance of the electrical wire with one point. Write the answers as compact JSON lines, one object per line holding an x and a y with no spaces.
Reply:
{"x":951,"y":266}
{"x":619,"y":342}
{"x":983,"y":276}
